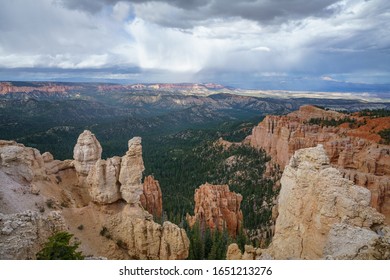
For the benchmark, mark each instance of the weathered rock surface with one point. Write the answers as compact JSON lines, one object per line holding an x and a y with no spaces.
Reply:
{"x":145,"y":239}
{"x":314,"y":200}
{"x":217,"y":207}
{"x":356,"y":152}
{"x":86,"y":152}
{"x":346,"y":242}
{"x":22,"y":234}
{"x":22,"y":163}
{"x":53,"y":166}
{"x":151,"y":198}
{"x":130,"y":176}
{"x":174,"y":242}
{"x":102,"y":180}
{"x":250,"y":253}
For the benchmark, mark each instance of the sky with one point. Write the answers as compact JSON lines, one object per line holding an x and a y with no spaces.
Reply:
{"x":271,"y":44}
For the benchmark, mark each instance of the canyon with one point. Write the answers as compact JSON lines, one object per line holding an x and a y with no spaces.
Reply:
{"x":355,"y":151}
{"x":334,"y":200}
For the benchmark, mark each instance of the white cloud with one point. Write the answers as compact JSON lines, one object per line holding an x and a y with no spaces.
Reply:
{"x":168,"y":49}
{"x":332,"y":38}
{"x":121,"y":11}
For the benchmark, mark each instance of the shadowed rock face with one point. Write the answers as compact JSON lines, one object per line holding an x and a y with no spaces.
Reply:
{"x":217,"y":207}
{"x":355,"y":152}
{"x":318,"y":207}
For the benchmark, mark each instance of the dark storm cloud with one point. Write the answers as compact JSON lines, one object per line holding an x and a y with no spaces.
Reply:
{"x":262,"y":11}
{"x":96,"y":5}
{"x":342,"y":40}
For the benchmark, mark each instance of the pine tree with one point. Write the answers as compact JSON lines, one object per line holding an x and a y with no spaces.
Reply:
{"x":58,"y":248}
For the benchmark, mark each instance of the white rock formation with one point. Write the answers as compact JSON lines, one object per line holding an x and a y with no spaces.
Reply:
{"x":316,"y":205}
{"x":130,"y":176}
{"x":22,"y":163}
{"x":103,"y":182}
{"x":86,"y":152}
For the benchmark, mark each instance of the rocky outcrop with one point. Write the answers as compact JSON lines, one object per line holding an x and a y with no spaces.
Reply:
{"x":350,"y":242}
{"x":120,"y":178}
{"x":23,"y":234}
{"x":53,"y":166}
{"x":130,"y":175}
{"x":113,"y":185}
{"x":22,"y":163}
{"x":354,"y":151}
{"x":217,"y":207}
{"x":103,"y":181}
{"x":144,"y":239}
{"x":151,"y":198}
{"x":317,"y":207}
{"x":250,"y":253}
{"x":86,"y":153}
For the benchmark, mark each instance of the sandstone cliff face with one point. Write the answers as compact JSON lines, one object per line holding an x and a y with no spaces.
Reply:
{"x":144,"y":239}
{"x":103,"y":181}
{"x":217,"y":207}
{"x":115,"y":178}
{"x":318,"y":208}
{"x":355,"y":152}
{"x":151,"y":198}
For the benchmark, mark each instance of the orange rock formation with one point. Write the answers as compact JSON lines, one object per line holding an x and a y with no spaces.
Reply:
{"x":356,"y":152}
{"x":217,"y":207}
{"x":151,"y":198}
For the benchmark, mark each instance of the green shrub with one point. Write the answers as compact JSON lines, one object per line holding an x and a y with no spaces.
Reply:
{"x":104,"y":232}
{"x":385,"y":134}
{"x":59,"y":248}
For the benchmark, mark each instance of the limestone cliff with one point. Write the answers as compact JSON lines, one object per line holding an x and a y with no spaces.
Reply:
{"x":217,"y":207}
{"x":356,"y":152}
{"x":99,"y":201}
{"x":323,"y":215}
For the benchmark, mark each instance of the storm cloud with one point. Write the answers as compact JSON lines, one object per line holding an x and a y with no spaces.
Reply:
{"x":173,"y":40}
{"x":191,"y":12}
